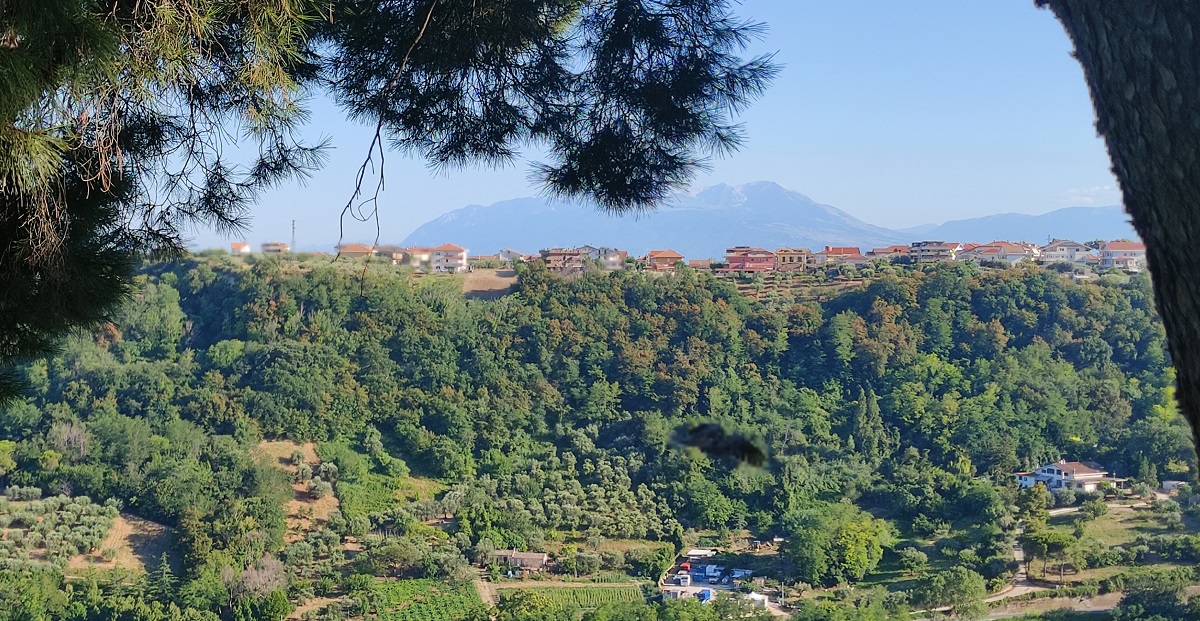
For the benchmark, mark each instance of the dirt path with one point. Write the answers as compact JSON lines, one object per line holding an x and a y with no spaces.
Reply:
{"x":546,"y":584}
{"x":1099,"y":603}
{"x":486,"y":592}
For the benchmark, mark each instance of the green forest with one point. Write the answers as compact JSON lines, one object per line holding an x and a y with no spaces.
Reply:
{"x":541,"y":421}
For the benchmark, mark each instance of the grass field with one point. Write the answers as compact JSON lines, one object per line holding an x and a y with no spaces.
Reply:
{"x":425,"y":600}
{"x":581,"y":598}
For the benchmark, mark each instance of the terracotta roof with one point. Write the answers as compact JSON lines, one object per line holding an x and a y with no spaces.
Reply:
{"x":699,"y":263}
{"x":971,"y":246}
{"x":897,"y":249}
{"x":1063,"y":242}
{"x":1124,"y":246}
{"x":449,"y":248}
{"x":840,"y":250}
{"x":354,"y":247}
{"x":240,"y":245}
{"x":1077,"y":468}
{"x":663,"y":254}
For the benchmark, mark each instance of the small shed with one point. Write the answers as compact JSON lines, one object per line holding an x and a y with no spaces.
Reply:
{"x":524,"y":560}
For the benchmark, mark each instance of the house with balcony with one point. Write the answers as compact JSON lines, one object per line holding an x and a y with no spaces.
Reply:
{"x":934,"y":251}
{"x":1072,"y":475}
{"x":563,"y":261}
{"x":793,"y":259}
{"x":662,"y":260}
{"x":1127,"y":256}
{"x":1063,"y":251}
{"x":748,"y":259}
{"x":448,"y":258}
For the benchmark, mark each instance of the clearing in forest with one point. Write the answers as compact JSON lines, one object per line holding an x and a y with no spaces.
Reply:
{"x":136,"y":544}
{"x":304,"y":512}
{"x":489,"y":284}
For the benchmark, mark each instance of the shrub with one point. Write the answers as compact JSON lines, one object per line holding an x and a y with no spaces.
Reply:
{"x":319,"y":488}
{"x":16,"y":492}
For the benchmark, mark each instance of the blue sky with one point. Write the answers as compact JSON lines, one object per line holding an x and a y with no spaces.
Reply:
{"x":900,"y":113}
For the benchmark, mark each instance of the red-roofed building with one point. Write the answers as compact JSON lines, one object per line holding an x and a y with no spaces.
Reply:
{"x":563,"y":260}
{"x":662,"y":260}
{"x":448,"y":258}
{"x":700,"y":264}
{"x":1004,"y":251}
{"x":889,"y":252}
{"x":841,"y":255}
{"x":1063,"y":250}
{"x":1128,"y":256}
{"x":1065,"y":474}
{"x":749,"y":259}
{"x":355,"y":250}
{"x":239,"y":248}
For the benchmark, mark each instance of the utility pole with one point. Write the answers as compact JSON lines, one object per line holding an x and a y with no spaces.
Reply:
{"x":292,"y":248}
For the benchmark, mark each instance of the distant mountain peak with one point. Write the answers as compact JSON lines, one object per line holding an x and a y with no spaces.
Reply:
{"x":703,"y":223}
{"x":699,"y":224}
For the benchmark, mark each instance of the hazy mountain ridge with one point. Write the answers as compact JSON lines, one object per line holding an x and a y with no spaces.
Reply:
{"x":704,"y":223}
{"x":1078,"y":223}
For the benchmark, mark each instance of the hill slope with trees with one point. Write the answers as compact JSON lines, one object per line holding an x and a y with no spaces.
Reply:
{"x":546,"y":413}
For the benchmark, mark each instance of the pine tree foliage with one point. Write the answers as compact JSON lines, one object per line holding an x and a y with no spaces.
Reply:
{"x":124,"y":121}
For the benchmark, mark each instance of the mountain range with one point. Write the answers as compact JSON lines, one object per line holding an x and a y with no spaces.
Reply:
{"x":705,"y":223}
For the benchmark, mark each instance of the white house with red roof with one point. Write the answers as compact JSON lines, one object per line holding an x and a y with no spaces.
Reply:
{"x":448,"y":258}
{"x":1064,"y":250}
{"x":841,"y":255}
{"x":1124,"y":255}
{"x":242,"y":248}
{"x":1072,"y":475}
{"x":1003,"y":251}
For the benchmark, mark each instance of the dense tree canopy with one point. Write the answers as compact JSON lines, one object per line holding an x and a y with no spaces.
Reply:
{"x":550,"y":410}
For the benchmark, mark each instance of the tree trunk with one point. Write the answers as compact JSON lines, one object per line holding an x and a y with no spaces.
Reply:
{"x":1142,"y":64}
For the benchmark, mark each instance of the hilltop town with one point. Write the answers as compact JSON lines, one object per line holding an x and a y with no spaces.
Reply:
{"x":1080,"y":260}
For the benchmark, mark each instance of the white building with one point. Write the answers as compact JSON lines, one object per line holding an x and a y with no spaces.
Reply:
{"x":1071,"y":475}
{"x":1064,"y":250}
{"x":448,"y":258}
{"x":609,"y":258}
{"x":1123,"y":255}
{"x":934,"y":251}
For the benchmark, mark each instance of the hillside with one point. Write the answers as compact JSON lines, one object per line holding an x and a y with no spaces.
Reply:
{"x":448,"y":428}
